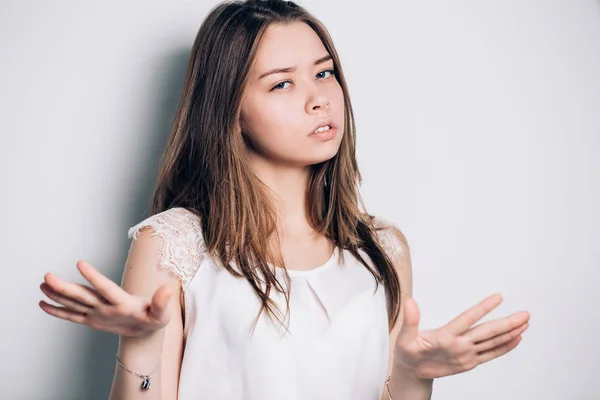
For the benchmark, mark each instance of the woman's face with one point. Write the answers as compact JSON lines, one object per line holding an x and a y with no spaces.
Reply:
{"x":290,"y":92}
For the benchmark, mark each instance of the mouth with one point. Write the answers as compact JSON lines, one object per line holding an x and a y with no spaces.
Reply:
{"x":322,"y":126}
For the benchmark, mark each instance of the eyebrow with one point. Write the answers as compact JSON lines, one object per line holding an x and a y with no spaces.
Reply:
{"x":292,"y":69}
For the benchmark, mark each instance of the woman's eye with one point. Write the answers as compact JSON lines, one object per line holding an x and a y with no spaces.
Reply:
{"x":320,"y":74}
{"x":280,"y":85}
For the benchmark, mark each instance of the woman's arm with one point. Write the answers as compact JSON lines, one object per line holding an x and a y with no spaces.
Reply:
{"x":454,"y":348}
{"x":142,"y":276}
{"x":402,"y":385}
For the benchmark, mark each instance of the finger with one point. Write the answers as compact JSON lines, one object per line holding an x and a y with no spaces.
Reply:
{"x":82,"y":294}
{"x":63,"y":313}
{"x":464,"y":321}
{"x":500,"y":339}
{"x":159,"y":302}
{"x":410,"y":324}
{"x":64,"y":300}
{"x":107,"y":288}
{"x":498,"y":351}
{"x":497,"y":327}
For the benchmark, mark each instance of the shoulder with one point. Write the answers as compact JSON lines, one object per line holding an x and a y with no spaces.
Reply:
{"x":177,"y":235}
{"x":393,"y":241}
{"x":391,"y":238}
{"x":174,"y":221}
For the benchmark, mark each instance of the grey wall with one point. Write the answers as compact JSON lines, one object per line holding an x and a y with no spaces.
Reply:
{"x":478,"y":134}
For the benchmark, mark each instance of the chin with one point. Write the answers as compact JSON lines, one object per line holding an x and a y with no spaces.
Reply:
{"x":321,"y":157}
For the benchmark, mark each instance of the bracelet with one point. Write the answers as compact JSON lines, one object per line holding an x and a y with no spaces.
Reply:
{"x":146,"y":378}
{"x":387,"y":387}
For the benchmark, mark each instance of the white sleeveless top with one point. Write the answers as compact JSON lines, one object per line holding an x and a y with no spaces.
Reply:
{"x":338,"y":341}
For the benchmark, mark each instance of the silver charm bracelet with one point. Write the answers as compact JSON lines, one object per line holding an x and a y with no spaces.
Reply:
{"x":146,"y":378}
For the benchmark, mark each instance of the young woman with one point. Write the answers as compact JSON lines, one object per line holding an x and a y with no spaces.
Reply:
{"x":259,"y":274}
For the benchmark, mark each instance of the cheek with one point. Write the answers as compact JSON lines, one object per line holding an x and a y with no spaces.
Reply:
{"x":337,"y":101}
{"x":273,"y":121}
{"x":278,"y":127}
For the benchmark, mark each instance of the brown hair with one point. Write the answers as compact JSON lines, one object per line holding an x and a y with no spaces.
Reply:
{"x":205,"y":168}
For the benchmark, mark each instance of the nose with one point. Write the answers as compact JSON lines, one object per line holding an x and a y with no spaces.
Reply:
{"x":317,"y":101}
{"x":321,"y":104}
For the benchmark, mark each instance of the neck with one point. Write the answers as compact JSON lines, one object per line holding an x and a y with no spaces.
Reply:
{"x":288,"y":185}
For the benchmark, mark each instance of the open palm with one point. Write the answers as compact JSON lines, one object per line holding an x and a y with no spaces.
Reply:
{"x":457,"y":346}
{"x":105,"y":305}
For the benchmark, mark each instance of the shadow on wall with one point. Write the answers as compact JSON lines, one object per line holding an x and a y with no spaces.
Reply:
{"x":100,"y":350}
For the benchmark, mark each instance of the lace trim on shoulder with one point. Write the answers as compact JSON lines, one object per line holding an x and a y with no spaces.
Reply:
{"x":389,"y":238}
{"x":183,"y":247}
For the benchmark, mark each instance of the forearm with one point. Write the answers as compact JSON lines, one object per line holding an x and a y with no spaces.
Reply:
{"x":405,"y":386}
{"x":141,"y":355}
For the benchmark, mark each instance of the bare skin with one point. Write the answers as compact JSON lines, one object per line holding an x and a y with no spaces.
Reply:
{"x":457,"y":346}
{"x":104,"y":305}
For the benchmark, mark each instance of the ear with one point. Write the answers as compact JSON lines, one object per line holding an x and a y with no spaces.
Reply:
{"x":241,"y":126}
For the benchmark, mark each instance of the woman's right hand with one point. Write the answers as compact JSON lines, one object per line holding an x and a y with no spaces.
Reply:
{"x":105,"y":306}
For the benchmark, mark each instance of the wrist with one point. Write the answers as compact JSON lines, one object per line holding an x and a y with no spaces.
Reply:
{"x":141,"y":350}
{"x":406,"y":384}
{"x":406,"y":370}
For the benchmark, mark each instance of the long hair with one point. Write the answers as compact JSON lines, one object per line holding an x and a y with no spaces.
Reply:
{"x":205,"y":168}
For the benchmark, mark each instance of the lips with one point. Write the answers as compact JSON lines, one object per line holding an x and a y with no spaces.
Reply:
{"x":322,"y":123}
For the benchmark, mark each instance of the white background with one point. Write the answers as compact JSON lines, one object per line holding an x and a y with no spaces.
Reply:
{"x":478,"y":134}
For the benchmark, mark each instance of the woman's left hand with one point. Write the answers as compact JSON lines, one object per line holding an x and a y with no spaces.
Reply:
{"x":457,"y":346}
